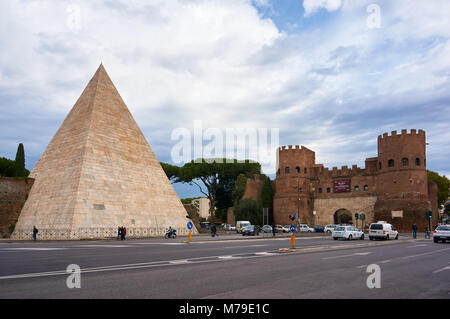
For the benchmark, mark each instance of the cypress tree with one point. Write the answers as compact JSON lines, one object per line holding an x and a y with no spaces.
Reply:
{"x":19,"y":170}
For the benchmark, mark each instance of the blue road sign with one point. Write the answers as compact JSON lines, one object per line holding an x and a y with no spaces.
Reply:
{"x":190,"y":225}
{"x":293,"y":228}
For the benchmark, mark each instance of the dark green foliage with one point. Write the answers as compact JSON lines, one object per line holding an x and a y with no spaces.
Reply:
{"x":443,"y":184}
{"x":171,"y":171}
{"x":19,"y":167}
{"x":189,"y":200}
{"x":10,"y":168}
{"x":215,"y":178}
{"x":239,"y":188}
{"x":344,"y":218}
{"x":249,"y":209}
{"x":6,"y":167}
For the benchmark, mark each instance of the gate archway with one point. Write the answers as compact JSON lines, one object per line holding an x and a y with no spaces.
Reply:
{"x":342,"y":216}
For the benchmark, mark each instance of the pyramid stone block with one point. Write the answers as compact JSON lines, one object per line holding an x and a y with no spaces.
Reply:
{"x":98,"y":173}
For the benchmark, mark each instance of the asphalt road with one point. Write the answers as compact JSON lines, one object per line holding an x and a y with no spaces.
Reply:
{"x":227,"y":267}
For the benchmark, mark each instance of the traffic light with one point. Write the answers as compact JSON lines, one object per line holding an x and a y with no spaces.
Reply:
{"x":291,"y":217}
{"x":356,"y":216}
{"x":429,"y":214}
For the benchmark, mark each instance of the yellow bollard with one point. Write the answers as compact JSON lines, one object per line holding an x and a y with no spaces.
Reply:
{"x":190,"y":236}
{"x":293,"y":241}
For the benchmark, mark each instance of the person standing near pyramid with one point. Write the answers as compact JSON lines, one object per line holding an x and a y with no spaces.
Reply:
{"x":99,"y":172}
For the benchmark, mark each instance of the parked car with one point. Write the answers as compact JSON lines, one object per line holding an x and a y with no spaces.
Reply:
{"x":229,"y":227}
{"x":329,"y":228}
{"x":347,"y":232}
{"x":382,"y":230}
{"x":281,"y":229}
{"x":319,"y":229}
{"x":241,"y":224}
{"x":206,"y":225}
{"x":266,"y":229}
{"x":442,"y":232}
{"x":250,"y":230}
{"x":304,"y":228}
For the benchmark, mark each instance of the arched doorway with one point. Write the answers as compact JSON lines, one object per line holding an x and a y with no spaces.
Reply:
{"x":342,"y":216}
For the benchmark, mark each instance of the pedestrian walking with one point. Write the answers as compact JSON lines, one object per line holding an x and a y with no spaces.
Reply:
{"x":273,"y":230}
{"x":124,"y":233}
{"x":414,"y":229}
{"x":119,"y":232}
{"x":35,"y":231}
{"x":427,"y":232}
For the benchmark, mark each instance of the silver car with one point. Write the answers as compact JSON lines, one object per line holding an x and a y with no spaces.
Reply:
{"x":442,"y":232}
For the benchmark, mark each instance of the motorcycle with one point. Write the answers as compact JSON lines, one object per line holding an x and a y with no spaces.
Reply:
{"x":171,"y":233}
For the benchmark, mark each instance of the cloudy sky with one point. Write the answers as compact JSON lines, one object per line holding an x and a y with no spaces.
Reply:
{"x":329,"y":74}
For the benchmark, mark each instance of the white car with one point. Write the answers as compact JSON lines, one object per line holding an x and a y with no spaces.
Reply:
{"x":442,"y":232}
{"x":347,"y":232}
{"x":329,"y":228}
{"x":266,"y":229}
{"x":229,"y":227}
{"x":382,"y":230}
{"x":305,"y":228}
{"x":281,"y":229}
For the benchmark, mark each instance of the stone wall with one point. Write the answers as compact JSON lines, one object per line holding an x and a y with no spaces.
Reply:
{"x":13,"y":194}
{"x":326,"y":206}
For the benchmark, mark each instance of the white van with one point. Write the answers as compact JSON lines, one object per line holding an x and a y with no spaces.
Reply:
{"x":382,"y":230}
{"x":241,"y":224}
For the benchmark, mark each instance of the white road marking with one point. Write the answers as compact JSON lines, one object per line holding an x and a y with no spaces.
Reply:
{"x":384,"y":261}
{"x":205,"y":259}
{"x":423,"y":254}
{"x":355,"y":254}
{"x":182,"y":261}
{"x":422,"y":245}
{"x":101,"y":246}
{"x":362,"y":266}
{"x":441,"y":269}
{"x":245,"y":246}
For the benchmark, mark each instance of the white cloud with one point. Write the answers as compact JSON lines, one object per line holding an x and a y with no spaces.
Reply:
{"x":311,"y":6}
{"x":334,"y":87}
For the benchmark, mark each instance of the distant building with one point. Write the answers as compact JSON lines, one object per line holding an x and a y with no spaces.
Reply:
{"x":202,"y":206}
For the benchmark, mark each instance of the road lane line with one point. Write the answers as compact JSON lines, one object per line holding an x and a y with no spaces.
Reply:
{"x":355,"y":254}
{"x":441,"y":269}
{"x":423,"y":254}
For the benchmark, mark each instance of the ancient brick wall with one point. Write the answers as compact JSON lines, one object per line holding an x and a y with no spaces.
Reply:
{"x":253,"y":188}
{"x":13,"y":194}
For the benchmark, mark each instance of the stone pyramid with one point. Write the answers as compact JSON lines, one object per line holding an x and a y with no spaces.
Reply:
{"x":98,"y":173}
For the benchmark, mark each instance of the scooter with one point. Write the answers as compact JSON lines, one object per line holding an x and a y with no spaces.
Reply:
{"x":171,"y":234}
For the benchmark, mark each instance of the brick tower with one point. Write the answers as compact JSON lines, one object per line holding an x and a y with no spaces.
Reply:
{"x":402,"y":184}
{"x":293,"y":180}
{"x":98,"y":173}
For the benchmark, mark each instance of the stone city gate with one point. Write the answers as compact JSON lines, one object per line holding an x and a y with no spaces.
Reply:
{"x":331,"y":208}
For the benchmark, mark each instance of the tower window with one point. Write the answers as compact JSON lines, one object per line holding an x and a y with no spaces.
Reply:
{"x":328,"y":189}
{"x":417,"y":161}
{"x":391,"y":163}
{"x":286,"y":170}
{"x":366,"y":188}
{"x":320,"y":190}
{"x":405,"y":161}
{"x":356,"y":188}
{"x":306,"y":170}
{"x":278,"y":172}
{"x":379,"y":165}
{"x":297,"y":169}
